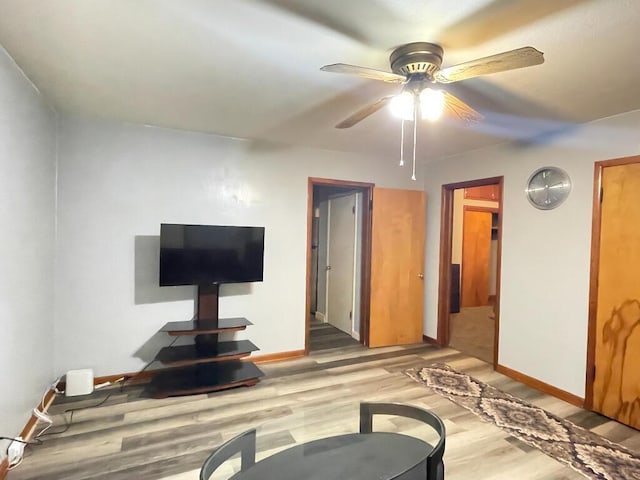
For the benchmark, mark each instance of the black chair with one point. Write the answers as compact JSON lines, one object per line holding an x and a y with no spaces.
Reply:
{"x":244,"y":444}
{"x":435,"y":464}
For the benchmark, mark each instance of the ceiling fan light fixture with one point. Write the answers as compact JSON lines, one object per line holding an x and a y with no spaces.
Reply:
{"x":417,"y":66}
{"x":402,"y":105}
{"x":431,"y":104}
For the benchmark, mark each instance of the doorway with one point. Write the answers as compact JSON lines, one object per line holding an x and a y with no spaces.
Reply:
{"x":470,"y":250}
{"x":338,"y":263}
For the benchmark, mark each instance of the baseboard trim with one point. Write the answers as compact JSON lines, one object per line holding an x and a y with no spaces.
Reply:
{"x":320,"y":317}
{"x":29,"y":428}
{"x":130,"y":377}
{"x":276,"y":357}
{"x":147,"y":375}
{"x":430,"y":340}
{"x":4,"y":468}
{"x":542,"y":386}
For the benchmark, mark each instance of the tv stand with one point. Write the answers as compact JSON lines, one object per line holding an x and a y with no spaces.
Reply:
{"x":207,"y":365}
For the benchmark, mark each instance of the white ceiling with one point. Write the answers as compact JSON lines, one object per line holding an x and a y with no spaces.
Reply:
{"x":250,"y":68}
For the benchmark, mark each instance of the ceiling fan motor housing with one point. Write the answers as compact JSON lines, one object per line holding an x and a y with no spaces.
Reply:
{"x":416,"y":58}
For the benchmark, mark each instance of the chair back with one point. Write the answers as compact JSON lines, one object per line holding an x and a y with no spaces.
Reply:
{"x":435,"y":464}
{"x":244,"y":444}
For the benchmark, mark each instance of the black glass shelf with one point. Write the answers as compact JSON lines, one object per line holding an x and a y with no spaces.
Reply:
{"x":204,"y":377}
{"x":189,"y":354}
{"x":195,"y":327}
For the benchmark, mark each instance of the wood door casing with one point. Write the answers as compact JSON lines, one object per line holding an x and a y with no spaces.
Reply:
{"x":484,"y":192}
{"x":616,"y":386}
{"x":397,"y":264}
{"x":476,"y":257}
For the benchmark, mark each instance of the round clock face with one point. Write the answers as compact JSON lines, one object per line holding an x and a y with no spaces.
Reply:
{"x":548,"y":187}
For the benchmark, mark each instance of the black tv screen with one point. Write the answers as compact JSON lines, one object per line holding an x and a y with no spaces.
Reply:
{"x":207,"y":254}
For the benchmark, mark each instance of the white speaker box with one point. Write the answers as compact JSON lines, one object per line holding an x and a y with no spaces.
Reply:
{"x":79,"y":382}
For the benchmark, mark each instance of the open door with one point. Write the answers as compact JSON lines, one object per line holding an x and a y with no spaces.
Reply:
{"x":397,"y":264}
{"x":341,"y":250}
{"x":615,"y":333}
{"x":476,"y":257}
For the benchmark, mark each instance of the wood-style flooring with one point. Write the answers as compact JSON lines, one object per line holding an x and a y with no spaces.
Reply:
{"x":472,"y":331}
{"x":133,"y":437}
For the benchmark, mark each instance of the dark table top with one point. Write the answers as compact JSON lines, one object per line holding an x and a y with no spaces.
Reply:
{"x":370,"y":456}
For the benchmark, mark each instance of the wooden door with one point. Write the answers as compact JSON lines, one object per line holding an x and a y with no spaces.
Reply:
{"x":341,"y":262}
{"x":476,"y":255}
{"x":397,"y":267}
{"x":616,"y":387}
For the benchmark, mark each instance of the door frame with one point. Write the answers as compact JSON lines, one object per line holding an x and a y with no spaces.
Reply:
{"x":473,"y":208}
{"x":446,"y":247}
{"x":365,"y":281}
{"x":595,"y":270}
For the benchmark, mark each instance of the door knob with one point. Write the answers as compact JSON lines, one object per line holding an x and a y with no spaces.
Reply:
{"x":420,"y":275}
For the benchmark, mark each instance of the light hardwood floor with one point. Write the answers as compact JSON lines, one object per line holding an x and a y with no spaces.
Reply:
{"x":131,"y":436}
{"x":472,"y":332}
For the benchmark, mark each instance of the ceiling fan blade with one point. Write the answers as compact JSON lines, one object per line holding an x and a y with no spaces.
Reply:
{"x":501,"y":62}
{"x":498,"y":18}
{"x":364,"y":112}
{"x":364,"y":72}
{"x":457,"y":108}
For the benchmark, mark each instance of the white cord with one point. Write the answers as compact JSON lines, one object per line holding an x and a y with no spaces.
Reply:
{"x":416,"y":104}
{"x":38,"y":411}
{"x":402,"y":143}
{"x":11,"y":467}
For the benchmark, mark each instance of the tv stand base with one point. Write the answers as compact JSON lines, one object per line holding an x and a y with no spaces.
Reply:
{"x":204,"y":378}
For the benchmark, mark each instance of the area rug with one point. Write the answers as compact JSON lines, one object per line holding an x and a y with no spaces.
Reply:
{"x":586,"y":452}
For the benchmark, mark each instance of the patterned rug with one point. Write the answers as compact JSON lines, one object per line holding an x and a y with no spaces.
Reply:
{"x":586,"y":452}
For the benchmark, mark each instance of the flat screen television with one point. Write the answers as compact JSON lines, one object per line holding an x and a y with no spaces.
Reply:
{"x":208,"y":254}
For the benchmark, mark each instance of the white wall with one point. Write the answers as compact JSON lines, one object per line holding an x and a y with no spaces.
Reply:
{"x":545,"y":254}
{"x":27,"y":199}
{"x":118,"y":182}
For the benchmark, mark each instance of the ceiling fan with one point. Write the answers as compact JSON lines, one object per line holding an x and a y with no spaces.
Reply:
{"x":417,"y":66}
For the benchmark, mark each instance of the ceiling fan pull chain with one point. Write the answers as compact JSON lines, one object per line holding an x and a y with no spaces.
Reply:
{"x":416,"y":106}
{"x":402,"y":143}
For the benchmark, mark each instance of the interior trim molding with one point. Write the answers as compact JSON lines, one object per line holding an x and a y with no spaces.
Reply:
{"x":444,"y":262}
{"x":430,"y":340}
{"x":4,"y":468}
{"x":132,"y":377}
{"x":146,"y":375}
{"x":541,"y":386}
{"x":367,"y":196}
{"x":29,"y":428}
{"x":275,"y":357}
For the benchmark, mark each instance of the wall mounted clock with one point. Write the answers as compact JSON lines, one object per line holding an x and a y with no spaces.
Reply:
{"x":548,"y":187}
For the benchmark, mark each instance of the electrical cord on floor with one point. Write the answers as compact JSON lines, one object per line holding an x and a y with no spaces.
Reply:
{"x":13,"y":439}
{"x":26,"y":443}
{"x":69,"y":422}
